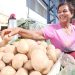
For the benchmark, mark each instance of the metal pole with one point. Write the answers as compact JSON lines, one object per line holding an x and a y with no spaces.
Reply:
{"x":48,"y":12}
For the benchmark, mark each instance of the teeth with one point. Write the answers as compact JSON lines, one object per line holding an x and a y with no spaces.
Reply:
{"x":62,"y":17}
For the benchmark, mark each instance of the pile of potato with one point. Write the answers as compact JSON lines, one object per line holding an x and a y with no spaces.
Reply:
{"x":27,"y":57}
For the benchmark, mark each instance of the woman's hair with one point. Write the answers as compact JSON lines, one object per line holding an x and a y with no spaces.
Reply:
{"x":70,"y":6}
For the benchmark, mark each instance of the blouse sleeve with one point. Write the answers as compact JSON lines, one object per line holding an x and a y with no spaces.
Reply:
{"x":48,"y":31}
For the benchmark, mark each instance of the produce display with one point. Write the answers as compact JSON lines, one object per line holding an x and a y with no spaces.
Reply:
{"x":28,"y":57}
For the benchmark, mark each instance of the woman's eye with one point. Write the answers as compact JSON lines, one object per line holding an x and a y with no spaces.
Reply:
{"x":59,"y":12}
{"x":64,"y":10}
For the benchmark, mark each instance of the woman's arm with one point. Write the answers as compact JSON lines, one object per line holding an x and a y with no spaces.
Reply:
{"x":37,"y":35}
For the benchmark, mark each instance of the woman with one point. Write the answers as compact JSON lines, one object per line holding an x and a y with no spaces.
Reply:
{"x":61,"y":35}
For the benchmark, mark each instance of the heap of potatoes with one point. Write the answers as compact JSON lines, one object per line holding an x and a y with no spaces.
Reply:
{"x":28,"y":57}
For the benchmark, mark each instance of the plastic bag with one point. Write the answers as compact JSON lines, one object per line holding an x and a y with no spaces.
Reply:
{"x":67,"y":65}
{"x":67,"y":60}
{"x":68,"y":70}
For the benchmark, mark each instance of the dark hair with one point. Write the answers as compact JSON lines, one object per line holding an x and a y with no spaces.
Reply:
{"x":70,"y":6}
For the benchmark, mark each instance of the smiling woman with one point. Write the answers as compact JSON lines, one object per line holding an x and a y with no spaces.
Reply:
{"x":61,"y":35}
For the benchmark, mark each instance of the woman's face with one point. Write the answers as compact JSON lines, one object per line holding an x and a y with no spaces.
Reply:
{"x":64,"y":14}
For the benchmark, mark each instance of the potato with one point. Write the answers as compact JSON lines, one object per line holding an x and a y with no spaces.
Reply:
{"x":10,"y":48}
{"x":7,"y":57}
{"x":28,"y":65}
{"x":50,"y":65}
{"x":51,"y":53}
{"x":58,"y":52}
{"x":35,"y":73}
{"x":31,"y":43}
{"x":42,"y":48}
{"x":43,"y":43}
{"x":21,"y":71}
{"x":8,"y":70}
{"x":2,"y":64}
{"x":1,"y":55}
{"x":2,"y":49}
{"x":19,"y":60}
{"x":35,"y":47}
{"x":22,"y":46}
{"x":37,"y":57}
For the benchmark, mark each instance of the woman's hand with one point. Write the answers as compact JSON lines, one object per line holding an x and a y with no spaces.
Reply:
{"x":10,"y":32}
{"x":6,"y":38}
{"x":5,"y":32}
{"x":14,"y":31}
